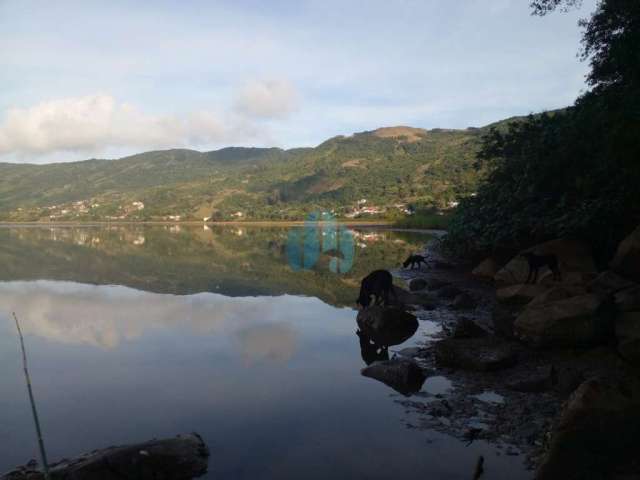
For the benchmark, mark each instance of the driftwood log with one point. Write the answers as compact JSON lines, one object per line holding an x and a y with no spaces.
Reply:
{"x":181,"y":458}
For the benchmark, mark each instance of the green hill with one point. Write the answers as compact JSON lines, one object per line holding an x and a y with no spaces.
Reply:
{"x":392,"y":168}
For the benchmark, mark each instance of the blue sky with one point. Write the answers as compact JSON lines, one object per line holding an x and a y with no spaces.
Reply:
{"x":104,"y":79}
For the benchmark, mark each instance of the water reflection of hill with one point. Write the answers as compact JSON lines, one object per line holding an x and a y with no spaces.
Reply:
{"x":235,"y":261}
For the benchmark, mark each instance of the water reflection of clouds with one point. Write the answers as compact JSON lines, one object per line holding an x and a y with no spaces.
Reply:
{"x":105,"y":316}
{"x":275,"y":342}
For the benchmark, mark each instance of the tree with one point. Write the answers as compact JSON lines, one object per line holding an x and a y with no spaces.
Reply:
{"x":574,"y":172}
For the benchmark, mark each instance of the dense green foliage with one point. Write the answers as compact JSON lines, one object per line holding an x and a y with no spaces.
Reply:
{"x":575,"y":173}
{"x":393,"y":169}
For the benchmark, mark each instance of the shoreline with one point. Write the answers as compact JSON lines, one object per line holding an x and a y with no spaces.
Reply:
{"x":372,"y":223}
{"x":382,"y":224}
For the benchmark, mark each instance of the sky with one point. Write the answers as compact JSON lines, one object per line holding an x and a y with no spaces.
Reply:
{"x":92,"y":79}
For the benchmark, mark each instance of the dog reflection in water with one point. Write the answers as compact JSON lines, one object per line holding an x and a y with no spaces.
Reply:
{"x":371,"y":351}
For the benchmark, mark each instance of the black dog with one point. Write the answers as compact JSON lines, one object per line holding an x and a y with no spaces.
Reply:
{"x":378,"y":283}
{"x":538,"y":261}
{"x":414,"y":260}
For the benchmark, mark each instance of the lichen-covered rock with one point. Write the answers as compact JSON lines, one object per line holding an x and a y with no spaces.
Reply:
{"x":479,"y":354}
{"x":584,"y":320}
{"x":626,"y":261}
{"x":573,"y":256}
{"x":597,"y":434}
{"x":402,"y":374}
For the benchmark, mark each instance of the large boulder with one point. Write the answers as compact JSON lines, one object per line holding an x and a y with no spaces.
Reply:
{"x":478,"y":354}
{"x":416,"y":284}
{"x":387,"y":325}
{"x":628,"y":300}
{"x":463,"y":301}
{"x":436,"y":283}
{"x":573,"y":256}
{"x":404,"y":297}
{"x":628,"y":336}
{"x":402,"y":374}
{"x":502,"y":319}
{"x":540,"y":380}
{"x":609,"y":282}
{"x":583,"y":320}
{"x":568,"y":278}
{"x":467,"y":328}
{"x":558,"y":293}
{"x":486,"y":269}
{"x":626,"y":261}
{"x":597,"y":434}
{"x":181,"y":458}
{"x":519,"y":294}
{"x":448,"y":291}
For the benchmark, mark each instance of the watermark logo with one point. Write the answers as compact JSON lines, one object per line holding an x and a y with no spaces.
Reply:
{"x":320,"y":235}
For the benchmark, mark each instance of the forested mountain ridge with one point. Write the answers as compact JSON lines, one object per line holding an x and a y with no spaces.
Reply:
{"x":394,"y":169}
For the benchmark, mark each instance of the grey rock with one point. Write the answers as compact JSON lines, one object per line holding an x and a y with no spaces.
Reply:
{"x":435,"y":283}
{"x":628,"y":300}
{"x":519,"y":294}
{"x":181,"y":458}
{"x":448,"y":291}
{"x":479,"y":354}
{"x":403,"y":375}
{"x":597,"y":433}
{"x":416,"y":284}
{"x":609,"y":282}
{"x":580,"y":321}
{"x":626,"y":261}
{"x":502,"y":320}
{"x":628,"y":336}
{"x":558,"y":293}
{"x":486,"y":269}
{"x":463,"y":301}
{"x":573,"y":256}
{"x":467,"y":328}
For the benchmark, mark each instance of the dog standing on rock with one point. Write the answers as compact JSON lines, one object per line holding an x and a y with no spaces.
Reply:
{"x":536,"y":262}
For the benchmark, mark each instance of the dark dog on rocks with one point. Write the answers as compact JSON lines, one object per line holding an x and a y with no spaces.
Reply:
{"x":414,"y":260}
{"x":536,"y":262}
{"x":378,"y":283}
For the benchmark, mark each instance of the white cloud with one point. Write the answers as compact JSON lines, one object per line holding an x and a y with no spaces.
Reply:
{"x":105,"y":316}
{"x":97,"y":122}
{"x":267,"y":99}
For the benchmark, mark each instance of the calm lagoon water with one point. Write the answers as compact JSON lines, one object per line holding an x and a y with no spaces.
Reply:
{"x":244,"y":335}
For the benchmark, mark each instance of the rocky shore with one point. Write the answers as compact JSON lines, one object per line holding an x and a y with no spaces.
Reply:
{"x":549,"y":370}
